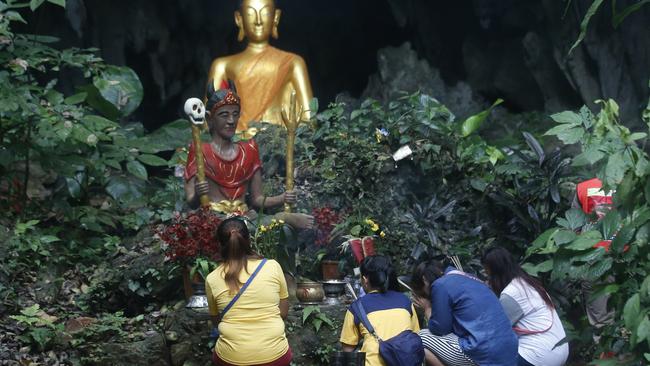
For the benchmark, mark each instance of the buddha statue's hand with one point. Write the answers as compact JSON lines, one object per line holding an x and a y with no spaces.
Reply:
{"x":201,"y":188}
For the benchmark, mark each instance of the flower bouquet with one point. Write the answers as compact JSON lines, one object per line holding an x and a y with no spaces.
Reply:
{"x":361,"y":240}
{"x":189,"y":240}
{"x":267,"y":238}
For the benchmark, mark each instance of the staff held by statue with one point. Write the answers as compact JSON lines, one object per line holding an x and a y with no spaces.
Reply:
{"x":291,"y":120}
{"x":195,"y":111}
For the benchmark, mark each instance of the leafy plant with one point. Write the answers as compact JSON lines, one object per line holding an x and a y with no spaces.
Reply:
{"x":106,"y":327}
{"x":322,"y":353}
{"x":72,"y":165}
{"x":313,"y":315}
{"x":612,"y":152}
{"x":267,"y":238}
{"x":39,"y":329}
{"x":617,"y":16}
{"x":190,"y":240}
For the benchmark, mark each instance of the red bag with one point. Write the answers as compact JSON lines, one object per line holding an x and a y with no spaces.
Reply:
{"x":368,"y":246}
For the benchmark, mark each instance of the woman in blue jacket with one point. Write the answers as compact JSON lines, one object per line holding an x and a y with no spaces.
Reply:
{"x":467,"y":324}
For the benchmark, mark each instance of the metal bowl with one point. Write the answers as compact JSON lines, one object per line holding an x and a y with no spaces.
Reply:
{"x":333,"y":288}
{"x":309,"y":292}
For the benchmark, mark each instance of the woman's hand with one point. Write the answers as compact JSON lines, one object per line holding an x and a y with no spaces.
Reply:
{"x":424,"y":304}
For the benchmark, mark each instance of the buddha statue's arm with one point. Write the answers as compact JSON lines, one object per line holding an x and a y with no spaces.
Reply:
{"x":258,"y":200}
{"x":302,"y":85}
{"x":217,"y":72}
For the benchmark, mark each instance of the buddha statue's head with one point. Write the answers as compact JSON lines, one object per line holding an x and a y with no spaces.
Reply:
{"x":257,"y":20}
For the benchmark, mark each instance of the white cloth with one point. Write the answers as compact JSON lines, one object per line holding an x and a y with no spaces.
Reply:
{"x":540,"y":348}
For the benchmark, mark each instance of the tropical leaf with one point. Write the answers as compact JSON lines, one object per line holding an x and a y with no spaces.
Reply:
{"x":120,"y":86}
{"x":474,"y":122}
{"x":618,"y":17}
{"x":585,"y":22}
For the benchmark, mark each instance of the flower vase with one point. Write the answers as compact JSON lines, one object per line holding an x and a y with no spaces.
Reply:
{"x":362,"y":247}
{"x":190,"y":282}
{"x":198,"y":299}
{"x":368,"y":246}
{"x":330,"y":270}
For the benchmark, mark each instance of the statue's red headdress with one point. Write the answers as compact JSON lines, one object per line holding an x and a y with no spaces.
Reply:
{"x":226,"y":95}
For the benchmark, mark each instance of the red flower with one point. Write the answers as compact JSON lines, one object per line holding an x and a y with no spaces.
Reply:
{"x":192,"y":235}
{"x":325,"y":220}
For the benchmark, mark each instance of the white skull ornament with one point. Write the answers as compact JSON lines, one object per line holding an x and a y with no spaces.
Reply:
{"x":195,"y":111}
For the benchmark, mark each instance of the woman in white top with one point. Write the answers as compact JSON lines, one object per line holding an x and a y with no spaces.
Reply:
{"x":530,"y":309}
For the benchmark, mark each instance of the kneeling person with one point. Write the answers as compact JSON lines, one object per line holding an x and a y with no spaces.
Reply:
{"x":389,"y":312}
{"x":467,"y":325}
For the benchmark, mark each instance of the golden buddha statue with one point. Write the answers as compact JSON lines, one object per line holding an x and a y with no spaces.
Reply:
{"x":264,"y":76}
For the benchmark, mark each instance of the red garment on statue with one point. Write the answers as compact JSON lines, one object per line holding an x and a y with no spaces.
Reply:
{"x":231,"y":176}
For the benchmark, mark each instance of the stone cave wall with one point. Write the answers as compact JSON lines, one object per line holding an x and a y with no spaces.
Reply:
{"x":473,"y":50}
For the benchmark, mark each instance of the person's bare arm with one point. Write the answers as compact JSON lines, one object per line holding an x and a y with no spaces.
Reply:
{"x":284,"y":308}
{"x":347,"y":347}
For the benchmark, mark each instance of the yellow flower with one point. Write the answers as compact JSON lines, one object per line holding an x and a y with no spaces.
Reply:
{"x":281,"y":221}
{"x":262,"y":228}
{"x":382,"y":234}
{"x":373,"y":225}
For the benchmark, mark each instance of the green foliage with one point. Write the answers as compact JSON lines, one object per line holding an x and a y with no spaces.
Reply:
{"x":313,"y":315}
{"x":617,"y":16}
{"x":443,"y":195}
{"x":73,"y":169}
{"x":473,"y":123}
{"x":39,"y":330}
{"x":107,"y":327}
{"x":202,"y":266}
{"x":612,"y":152}
{"x":322,"y":353}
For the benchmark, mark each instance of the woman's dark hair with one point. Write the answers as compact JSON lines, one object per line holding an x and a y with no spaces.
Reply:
{"x":430,"y":270}
{"x":502,"y":269}
{"x":379,"y":271}
{"x":235,"y":243}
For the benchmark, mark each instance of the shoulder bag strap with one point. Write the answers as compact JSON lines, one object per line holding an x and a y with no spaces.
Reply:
{"x":357,"y":307}
{"x":242,"y":289}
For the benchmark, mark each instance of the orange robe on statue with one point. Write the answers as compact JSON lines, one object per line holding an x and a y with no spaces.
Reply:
{"x":231,"y":176}
{"x":260,"y":81}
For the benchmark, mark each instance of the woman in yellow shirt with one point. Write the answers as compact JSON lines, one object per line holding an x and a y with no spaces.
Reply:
{"x":390,"y":312}
{"x":252,"y":331}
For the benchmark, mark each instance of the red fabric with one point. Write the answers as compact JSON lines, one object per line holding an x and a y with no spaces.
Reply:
{"x":362,"y":248}
{"x":231,"y":176}
{"x":607,"y":243}
{"x":355,"y":246}
{"x":591,"y":202}
{"x":604,"y":244}
{"x":587,"y":202}
{"x":282,"y":361}
{"x":368,"y":246}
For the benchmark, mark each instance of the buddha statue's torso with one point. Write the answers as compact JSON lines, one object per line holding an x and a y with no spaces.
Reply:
{"x":264,"y":80}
